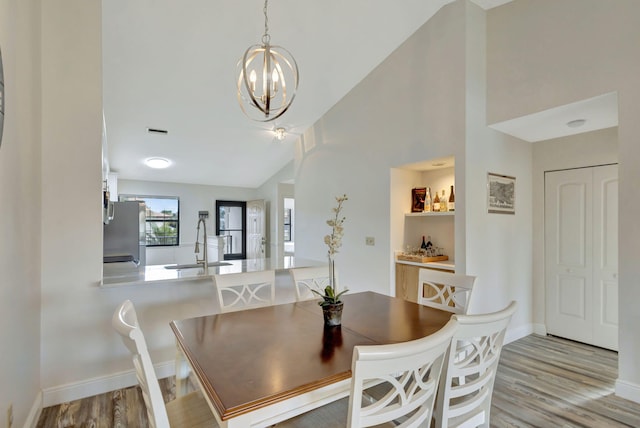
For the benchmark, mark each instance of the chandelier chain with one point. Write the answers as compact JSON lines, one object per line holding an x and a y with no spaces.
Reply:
{"x":266,"y":37}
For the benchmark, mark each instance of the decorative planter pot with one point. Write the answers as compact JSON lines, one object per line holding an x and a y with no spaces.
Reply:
{"x":332,"y":314}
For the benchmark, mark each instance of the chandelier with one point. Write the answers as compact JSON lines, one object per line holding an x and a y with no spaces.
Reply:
{"x":268,"y":79}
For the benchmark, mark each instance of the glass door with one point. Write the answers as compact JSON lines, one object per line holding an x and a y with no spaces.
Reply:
{"x":231,"y":223}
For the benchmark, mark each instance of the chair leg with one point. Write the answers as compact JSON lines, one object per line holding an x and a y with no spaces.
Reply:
{"x":182,"y":374}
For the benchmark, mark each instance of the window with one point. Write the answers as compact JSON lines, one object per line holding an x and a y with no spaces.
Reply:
{"x":163,"y":220}
{"x":287,"y":225}
{"x":231,"y":222}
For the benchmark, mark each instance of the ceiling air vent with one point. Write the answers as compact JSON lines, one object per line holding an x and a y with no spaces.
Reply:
{"x":157,"y":131}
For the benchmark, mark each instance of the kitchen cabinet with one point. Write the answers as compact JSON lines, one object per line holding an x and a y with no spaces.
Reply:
{"x":407,"y":278}
{"x":407,"y":282}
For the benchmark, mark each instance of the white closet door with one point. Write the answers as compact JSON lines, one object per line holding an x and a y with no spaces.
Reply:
{"x":581,"y":224}
{"x":605,"y":256}
{"x":568,"y":208}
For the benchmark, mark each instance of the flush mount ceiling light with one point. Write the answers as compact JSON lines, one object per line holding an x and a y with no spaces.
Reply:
{"x":576,"y":123}
{"x":280,"y":133}
{"x":157,"y":163}
{"x":267,"y":79}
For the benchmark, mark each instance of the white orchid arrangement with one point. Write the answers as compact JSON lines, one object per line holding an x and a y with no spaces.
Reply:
{"x":333,"y":241}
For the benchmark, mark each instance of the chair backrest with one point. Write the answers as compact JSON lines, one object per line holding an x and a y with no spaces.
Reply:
{"x":307,"y":279}
{"x":443,"y":290}
{"x":407,"y":374}
{"x":125,"y":322}
{"x":466,"y":387}
{"x":247,"y":290}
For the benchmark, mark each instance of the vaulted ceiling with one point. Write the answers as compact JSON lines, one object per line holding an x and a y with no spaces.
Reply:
{"x":173,"y":66}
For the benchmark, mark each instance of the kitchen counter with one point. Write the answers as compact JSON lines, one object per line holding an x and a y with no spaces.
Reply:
{"x":118,"y":274}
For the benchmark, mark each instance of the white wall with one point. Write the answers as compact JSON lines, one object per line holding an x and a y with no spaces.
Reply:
{"x":547,"y":54}
{"x":410,"y":108}
{"x":443,"y":114}
{"x":74,"y":321}
{"x":498,"y":246}
{"x":193,"y":198}
{"x":20,"y":209}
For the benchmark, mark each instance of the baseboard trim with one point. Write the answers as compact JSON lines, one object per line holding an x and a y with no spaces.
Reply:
{"x":540,"y":329}
{"x":627,"y":390}
{"x":514,"y":334}
{"x":34,"y":413}
{"x":99,"y":385}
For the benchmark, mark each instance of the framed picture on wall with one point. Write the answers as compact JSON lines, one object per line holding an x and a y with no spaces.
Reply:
{"x":501,"y":194}
{"x":417,"y":199}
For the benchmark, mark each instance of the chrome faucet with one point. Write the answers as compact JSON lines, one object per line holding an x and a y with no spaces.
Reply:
{"x":205,"y":259}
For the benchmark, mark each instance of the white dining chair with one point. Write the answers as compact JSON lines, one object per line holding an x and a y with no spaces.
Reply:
{"x":466,"y":387}
{"x":246,"y":290}
{"x":449,"y":292}
{"x":188,"y":411}
{"x":307,"y":279}
{"x":392,"y":385}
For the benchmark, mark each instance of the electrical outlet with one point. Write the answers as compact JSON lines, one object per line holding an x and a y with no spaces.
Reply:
{"x":370,"y":240}
{"x":10,"y":416}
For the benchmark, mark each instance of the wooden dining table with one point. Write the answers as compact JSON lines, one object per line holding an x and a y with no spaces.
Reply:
{"x":261,"y":366}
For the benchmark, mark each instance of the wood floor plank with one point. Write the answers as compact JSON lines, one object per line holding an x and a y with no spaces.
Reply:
{"x":542,"y":381}
{"x":554,"y":382}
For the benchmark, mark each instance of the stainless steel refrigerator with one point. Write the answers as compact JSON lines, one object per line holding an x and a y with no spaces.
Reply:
{"x":124,"y":235}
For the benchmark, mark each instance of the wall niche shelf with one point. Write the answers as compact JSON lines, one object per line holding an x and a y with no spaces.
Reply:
{"x":430,"y":214}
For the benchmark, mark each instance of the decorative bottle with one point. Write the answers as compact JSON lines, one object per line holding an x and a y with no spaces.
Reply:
{"x":452,"y":201}
{"x":424,"y":244}
{"x":443,"y":202}
{"x":427,"y":200}
{"x":436,"y":203}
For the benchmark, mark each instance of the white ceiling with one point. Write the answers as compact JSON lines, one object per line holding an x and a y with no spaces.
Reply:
{"x":172,"y":65}
{"x":598,"y":113}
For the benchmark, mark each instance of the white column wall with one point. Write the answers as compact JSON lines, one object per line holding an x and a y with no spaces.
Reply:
{"x":272,"y":193}
{"x":20,"y":210}
{"x":546,"y":54}
{"x":498,"y":246}
{"x":74,"y":321}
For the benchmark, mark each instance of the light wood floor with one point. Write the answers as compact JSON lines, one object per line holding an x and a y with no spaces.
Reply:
{"x":541,"y":382}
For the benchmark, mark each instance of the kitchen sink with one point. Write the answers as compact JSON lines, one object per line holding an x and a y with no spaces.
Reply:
{"x":192,"y":266}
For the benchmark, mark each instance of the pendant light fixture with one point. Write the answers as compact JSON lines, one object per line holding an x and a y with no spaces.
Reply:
{"x":267,"y":80}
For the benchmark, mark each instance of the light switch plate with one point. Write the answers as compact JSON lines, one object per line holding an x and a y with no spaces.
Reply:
{"x":370,"y":240}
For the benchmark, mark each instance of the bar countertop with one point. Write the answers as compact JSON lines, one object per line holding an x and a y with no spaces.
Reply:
{"x":126,"y":273}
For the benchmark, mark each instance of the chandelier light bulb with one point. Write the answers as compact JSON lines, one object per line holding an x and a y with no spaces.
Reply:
{"x":252,"y":80}
{"x":280,"y":133}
